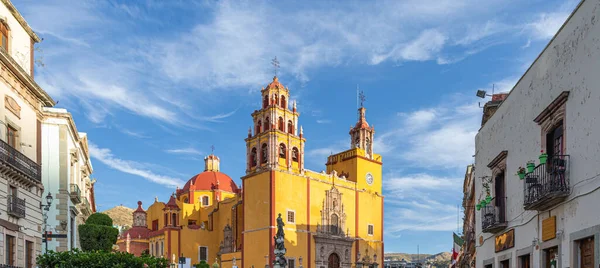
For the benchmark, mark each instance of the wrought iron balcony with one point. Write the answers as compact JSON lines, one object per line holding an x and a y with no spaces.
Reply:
{"x":16,"y":162}
{"x":75,"y":193}
{"x":548,"y":184}
{"x":86,"y":208}
{"x":16,"y":206}
{"x":493,"y":216}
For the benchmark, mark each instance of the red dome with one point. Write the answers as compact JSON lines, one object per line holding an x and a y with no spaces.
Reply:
{"x":210,"y":180}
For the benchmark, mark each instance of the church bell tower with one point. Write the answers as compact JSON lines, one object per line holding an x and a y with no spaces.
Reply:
{"x":361,"y":135}
{"x":275,"y":141}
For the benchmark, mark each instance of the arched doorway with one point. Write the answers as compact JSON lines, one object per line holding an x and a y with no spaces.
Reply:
{"x":334,"y":261}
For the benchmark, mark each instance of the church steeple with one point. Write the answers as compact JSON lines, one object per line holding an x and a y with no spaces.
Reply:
{"x":275,"y":143}
{"x":361,"y":135}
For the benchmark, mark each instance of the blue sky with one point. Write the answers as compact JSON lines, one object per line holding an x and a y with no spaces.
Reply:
{"x":156,"y":83}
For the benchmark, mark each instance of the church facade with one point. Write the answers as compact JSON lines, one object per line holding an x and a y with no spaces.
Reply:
{"x":332,"y":218}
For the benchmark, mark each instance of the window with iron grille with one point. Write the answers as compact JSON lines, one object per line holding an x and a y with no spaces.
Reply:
{"x":291,"y":217}
{"x":203,"y":253}
{"x":370,"y":229}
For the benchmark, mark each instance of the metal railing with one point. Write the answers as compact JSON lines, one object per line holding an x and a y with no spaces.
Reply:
{"x":19,"y":161}
{"x":75,"y":193}
{"x":16,"y":206}
{"x":86,"y":207}
{"x":548,"y":184}
{"x":493,"y":218}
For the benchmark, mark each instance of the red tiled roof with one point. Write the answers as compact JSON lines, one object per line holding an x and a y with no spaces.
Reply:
{"x":140,"y":209}
{"x":137,"y":232}
{"x":172,"y":203}
{"x":275,"y":84}
{"x":210,"y":180}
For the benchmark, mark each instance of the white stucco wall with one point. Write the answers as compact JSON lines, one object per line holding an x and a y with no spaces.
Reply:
{"x":570,"y":63}
{"x":19,"y":40}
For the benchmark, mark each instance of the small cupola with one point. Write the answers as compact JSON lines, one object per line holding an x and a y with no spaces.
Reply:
{"x":211,"y":163}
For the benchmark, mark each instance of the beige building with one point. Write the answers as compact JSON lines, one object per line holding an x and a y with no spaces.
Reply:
{"x":21,"y":105}
{"x":66,"y":175}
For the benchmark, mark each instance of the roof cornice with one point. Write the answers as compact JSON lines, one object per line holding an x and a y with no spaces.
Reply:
{"x":13,"y":10}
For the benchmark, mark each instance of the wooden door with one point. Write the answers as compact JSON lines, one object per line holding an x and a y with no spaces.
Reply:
{"x":586,"y":249}
{"x":334,"y":261}
{"x":525,"y":261}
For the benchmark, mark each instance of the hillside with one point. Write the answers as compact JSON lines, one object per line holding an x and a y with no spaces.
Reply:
{"x":121,"y":216}
{"x":442,"y":258}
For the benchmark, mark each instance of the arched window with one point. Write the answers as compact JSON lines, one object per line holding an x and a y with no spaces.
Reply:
{"x":295,"y":154}
{"x":280,"y":124}
{"x":290,"y":127}
{"x":174,"y":219}
{"x":156,"y":251}
{"x":263,"y":151}
{"x":205,"y":200}
{"x":253,"y":157}
{"x":267,"y":123}
{"x":162,"y":248}
{"x":334,"y":223}
{"x":185,"y":199}
{"x":258,"y":125}
{"x":283,"y":103}
{"x":266,"y":101}
{"x":368,"y":145}
{"x":275,"y":99}
{"x":357,"y":142}
{"x":152,"y":249}
{"x":282,"y":151}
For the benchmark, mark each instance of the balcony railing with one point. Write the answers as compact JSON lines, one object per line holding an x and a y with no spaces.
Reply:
{"x":19,"y":161}
{"x":493,"y":216}
{"x":75,"y":193}
{"x":16,"y":206}
{"x":86,"y":208}
{"x":548,"y":184}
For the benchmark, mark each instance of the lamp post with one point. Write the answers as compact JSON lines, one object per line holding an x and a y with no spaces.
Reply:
{"x":46,"y":208}
{"x":375,"y":264}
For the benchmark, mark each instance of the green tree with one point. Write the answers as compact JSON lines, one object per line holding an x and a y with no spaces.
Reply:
{"x":97,"y":233}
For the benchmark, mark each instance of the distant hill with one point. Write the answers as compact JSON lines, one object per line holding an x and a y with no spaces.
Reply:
{"x":440,"y":259}
{"x":121,"y":215}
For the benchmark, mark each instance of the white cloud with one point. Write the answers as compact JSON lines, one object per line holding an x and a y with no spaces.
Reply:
{"x":134,"y":134}
{"x":188,"y":150}
{"x":323,"y":121}
{"x":105,"y":156}
{"x":547,"y":24}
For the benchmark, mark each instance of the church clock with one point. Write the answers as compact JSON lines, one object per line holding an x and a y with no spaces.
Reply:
{"x":369,"y":178}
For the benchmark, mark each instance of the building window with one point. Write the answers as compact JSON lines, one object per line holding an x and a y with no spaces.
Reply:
{"x":267,"y":123}
{"x":291,"y":216}
{"x":72,"y":225}
{"x":280,"y":124}
{"x":335,"y":223}
{"x":29,"y":254}
{"x":258,"y":125}
{"x":155,"y":225}
{"x":291,"y":263}
{"x":370,"y":229}
{"x":554,"y":141}
{"x":11,"y":136}
{"x":162,"y":248}
{"x":253,"y":157}
{"x":275,"y":99}
{"x":166,"y":219}
{"x":4,"y":33}
{"x":266,"y":101}
{"x":282,"y":151}
{"x":203,"y":253}
{"x":174,"y":219}
{"x":191,"y":222}
{"x":290,"y":126}
{"x":205,"y":200}
{"x":10,"y":250}
{"x":283,"y":103}
{"x":525,"y":261}
{"x":263,"y":151}
{"x":185,"y":200}
{"x":295,"y":154}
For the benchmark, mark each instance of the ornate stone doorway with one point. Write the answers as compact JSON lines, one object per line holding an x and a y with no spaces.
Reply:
{"x":334,"y":261}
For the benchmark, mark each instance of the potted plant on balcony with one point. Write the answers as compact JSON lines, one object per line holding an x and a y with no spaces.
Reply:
{"x":478,"y":207}
{"x":488,"y":199}
{"x":530,"y":166}
{"x":543,"y":158}
{"x":521,"y":172}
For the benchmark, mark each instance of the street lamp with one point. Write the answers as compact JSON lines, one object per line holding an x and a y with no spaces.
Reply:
{"x":375,"y":264}
{"x":49,"y":200}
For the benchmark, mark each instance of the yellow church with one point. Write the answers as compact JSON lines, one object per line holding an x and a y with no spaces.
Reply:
{"x":332,"y":218}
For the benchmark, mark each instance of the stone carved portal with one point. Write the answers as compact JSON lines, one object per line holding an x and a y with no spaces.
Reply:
{"x":332,"y":244}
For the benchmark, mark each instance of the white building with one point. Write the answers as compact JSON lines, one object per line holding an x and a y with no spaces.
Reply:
{"x":66,"y":175}
{"x":552,"y":215}
{"x":21,"y":105}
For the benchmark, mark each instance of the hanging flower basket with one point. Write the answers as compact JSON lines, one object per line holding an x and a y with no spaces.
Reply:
{"x":530,"y":167}
{"x":543,"y":158}
{"x":521,"y":172}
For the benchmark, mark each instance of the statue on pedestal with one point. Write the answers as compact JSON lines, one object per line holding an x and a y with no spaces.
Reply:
{"x":280,"y":261}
